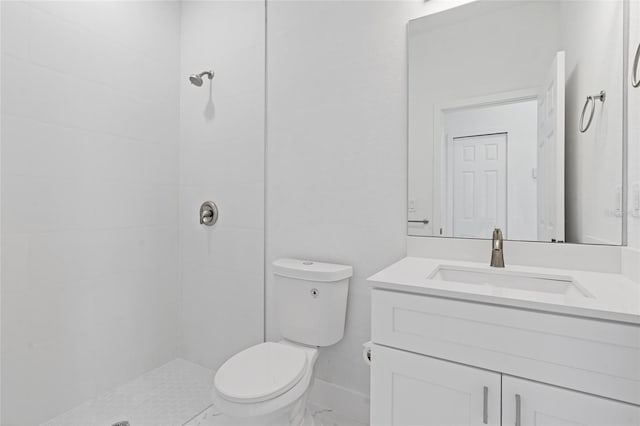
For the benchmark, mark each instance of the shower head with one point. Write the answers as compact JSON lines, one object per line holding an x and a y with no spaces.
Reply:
{"x":196,"y":79}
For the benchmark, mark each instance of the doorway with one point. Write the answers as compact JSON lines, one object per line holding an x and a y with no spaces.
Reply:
{"x":479,"y":180}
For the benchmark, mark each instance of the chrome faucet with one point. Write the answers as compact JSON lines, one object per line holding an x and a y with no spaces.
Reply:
{"x":497,"y":256}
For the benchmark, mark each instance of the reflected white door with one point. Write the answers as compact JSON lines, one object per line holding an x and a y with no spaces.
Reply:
{"x":479,"y":185}
{"x":551,"y":153}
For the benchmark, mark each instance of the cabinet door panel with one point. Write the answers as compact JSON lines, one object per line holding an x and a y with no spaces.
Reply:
{"x":410,"y":389}
{"x":546,"y":405}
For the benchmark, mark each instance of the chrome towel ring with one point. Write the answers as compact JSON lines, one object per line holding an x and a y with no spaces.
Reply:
{"x":635,"y":79}
{"x":590,"y":100}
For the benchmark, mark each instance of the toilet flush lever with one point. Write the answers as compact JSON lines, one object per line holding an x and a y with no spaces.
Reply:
{"x":208,"y":213}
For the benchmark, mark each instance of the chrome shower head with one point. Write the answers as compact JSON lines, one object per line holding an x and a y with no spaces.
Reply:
{"x":196,"y":79}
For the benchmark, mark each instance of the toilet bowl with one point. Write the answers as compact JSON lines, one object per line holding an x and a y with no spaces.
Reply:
{"x":268,"y":383}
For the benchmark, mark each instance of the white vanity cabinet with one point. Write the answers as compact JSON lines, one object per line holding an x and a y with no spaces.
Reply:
{"x":411,"y":389}
{"x":528,"y":403}
{"x":440,"y":361}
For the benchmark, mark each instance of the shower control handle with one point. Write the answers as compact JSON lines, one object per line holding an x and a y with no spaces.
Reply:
{"x":208,"y":213}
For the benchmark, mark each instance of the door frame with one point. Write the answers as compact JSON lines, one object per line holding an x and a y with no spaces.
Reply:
{"x":441,"y":216}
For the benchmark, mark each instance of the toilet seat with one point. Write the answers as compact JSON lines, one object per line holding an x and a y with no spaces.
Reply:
{"x":261,"y":372}
{"x":277,"y":402}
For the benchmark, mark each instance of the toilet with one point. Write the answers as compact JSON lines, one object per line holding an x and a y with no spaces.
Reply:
{"x":268,"y":384}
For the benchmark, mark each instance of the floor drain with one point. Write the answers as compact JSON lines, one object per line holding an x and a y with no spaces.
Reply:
{"x":122,"y":423}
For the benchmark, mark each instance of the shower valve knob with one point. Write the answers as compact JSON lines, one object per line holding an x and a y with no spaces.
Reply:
{"x":208,"y":213}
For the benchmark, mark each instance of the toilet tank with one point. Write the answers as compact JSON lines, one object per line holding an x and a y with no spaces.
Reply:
{"x":311,"y":300}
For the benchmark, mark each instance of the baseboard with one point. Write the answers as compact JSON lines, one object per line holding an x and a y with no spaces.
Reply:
{"x":346,"y":402}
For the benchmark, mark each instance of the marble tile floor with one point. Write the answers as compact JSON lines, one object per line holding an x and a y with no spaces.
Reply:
{"x":175,"y":394}
{"x":321,"y":417}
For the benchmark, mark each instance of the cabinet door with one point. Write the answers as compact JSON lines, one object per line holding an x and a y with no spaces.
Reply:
{"x":526,"y":403}
{"x":409,"y":389}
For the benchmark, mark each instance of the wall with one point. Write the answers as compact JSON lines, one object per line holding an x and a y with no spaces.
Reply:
{"x":89,"y":200}
{"x":519,"y":121}
{"x":634,"y":134}
{"x":593,"y":159}
{"x":336,"y":146}
{"x":222,"y":159}
{"x":511,"y":60}
{"x":336,"y":137}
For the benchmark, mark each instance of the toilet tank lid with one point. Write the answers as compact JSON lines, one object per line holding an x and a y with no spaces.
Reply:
{"x":311,"y":270}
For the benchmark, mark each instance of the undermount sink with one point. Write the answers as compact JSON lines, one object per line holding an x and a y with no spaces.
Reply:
{"x":511,"y":280}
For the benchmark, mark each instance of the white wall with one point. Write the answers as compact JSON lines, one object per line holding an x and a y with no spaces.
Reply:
{"x":634,"y":131}
{"x":336,"y":138}
{"x":222,"y":160}
{"x":593,"y":160}
{"x":519,"y":121}
{"x":89,"y":200}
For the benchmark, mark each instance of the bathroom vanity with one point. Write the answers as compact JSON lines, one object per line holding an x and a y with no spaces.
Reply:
{"x":516,"y":120}
{"x":461,"y":343}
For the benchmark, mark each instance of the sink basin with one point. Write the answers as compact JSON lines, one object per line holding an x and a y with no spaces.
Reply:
{"x":511,"y":280}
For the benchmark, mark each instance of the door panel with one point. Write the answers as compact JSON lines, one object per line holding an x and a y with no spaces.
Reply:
{"x":410,"y":389}
{"x":546,"y":405}
{"x":479,"y":185}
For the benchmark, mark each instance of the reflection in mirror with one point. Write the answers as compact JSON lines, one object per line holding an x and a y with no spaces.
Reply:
{"x":515,"y":121}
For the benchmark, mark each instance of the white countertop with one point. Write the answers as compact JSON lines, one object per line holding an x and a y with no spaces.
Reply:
{"x":615,"y":297}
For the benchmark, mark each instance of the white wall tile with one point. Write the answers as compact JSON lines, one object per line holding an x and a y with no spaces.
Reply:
{"x":15,"y":29}
{"x":73,"y":205}
{"x":633,"y":224}
{"x":222,"y":160}
{"x":90,"y":273}
{"x":158,"y":41}
{"x":218,"y":303}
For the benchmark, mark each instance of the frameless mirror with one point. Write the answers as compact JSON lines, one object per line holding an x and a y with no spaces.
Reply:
{"x":516,"y":121}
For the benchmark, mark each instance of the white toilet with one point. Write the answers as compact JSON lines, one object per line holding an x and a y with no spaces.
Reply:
{"x":268,"y":384}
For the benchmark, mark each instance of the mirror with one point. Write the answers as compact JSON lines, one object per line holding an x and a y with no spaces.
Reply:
{"x":516,"y":121}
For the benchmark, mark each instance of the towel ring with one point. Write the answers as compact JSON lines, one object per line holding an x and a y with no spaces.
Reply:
{"x":635,"y":79}
{"x":590,"y":100}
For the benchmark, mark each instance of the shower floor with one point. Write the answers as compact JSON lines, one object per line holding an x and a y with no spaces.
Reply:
{"x":176,"y":394}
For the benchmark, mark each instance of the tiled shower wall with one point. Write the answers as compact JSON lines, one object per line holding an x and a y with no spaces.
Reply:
{"x":634,"y":133}
{"x":107,"y":154}
{"x":222,"y":160}
{"x":90,"y":295}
